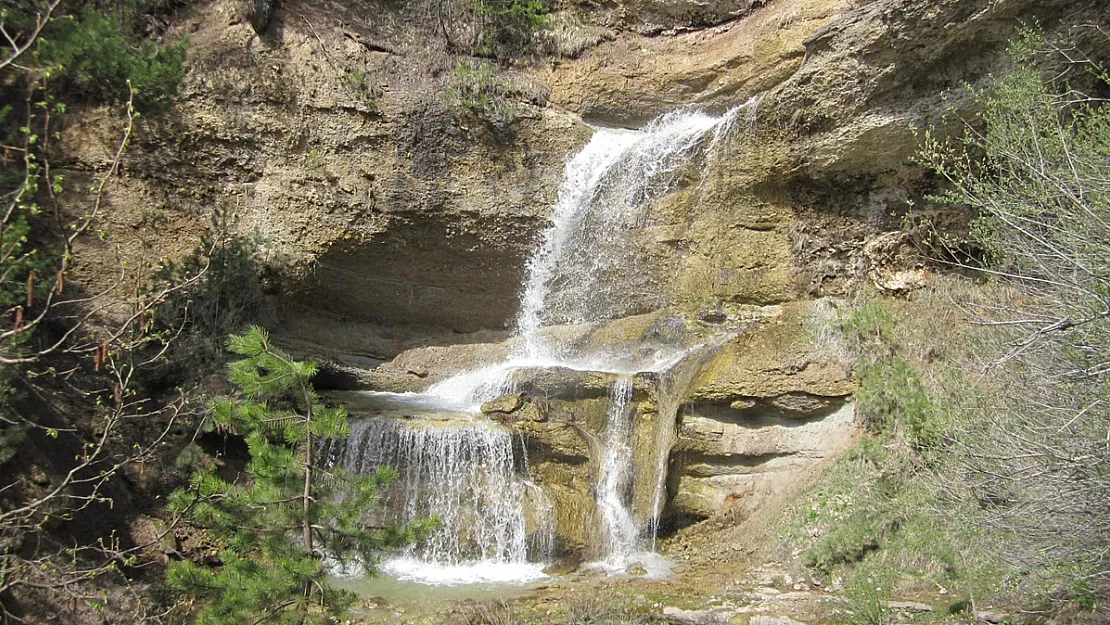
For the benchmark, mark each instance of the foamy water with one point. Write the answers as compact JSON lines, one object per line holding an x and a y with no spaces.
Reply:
{"x":481,"y":572}
{"x":646,"y":564}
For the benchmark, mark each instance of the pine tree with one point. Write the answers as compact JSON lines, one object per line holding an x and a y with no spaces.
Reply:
{"x":279,"y":524}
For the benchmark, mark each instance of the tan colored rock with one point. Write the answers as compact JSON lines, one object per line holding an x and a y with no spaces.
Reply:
{"x":556,"y":442}
{"x":912,"y":607}
{"x":762,"y":619}
{"x":770,"y":407}
{"x":506,"y":404}
{"x":873,"y":73}
{"x":802,"y":404}
{"x":778,"y":359}
{"x":678,"y":616}
{"x":632,"y":79}
{"x":722,"y":467}
{"x":377,"y":200}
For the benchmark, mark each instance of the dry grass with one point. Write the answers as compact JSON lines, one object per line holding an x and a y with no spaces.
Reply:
{"x":567,"y":36}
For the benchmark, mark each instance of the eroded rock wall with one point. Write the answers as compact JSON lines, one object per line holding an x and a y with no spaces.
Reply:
{"x":353,"y":141}
{"x":399,"y":212}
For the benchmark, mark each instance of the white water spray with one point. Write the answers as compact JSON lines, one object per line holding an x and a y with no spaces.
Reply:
{"x":585,"y":270}
{"x":464,"y":474}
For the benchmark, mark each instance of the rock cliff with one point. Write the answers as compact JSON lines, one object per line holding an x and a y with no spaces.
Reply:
{"x":397,"y":188}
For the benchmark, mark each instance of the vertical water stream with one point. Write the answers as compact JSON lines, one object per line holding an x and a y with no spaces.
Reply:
{"x":615,"y":477}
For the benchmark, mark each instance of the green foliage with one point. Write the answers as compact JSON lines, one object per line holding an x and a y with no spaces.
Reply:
{"x":892,"y":399}
{"x":483,"y":91}
{"x":984,"y":468}
{"x":857,"y":508}
{"x":878,"y":523}
{"x":224,"y":300}
{"x":10,"y":438}
{"x":22,"y":262}
{"x":847,"y":544}
{"x":90,"y":54}
{"x":1035,"y":168}
{"x":278,"y":526}
{"x":863,"y":602}
{"x":510,"y":26}
{"x":72,"y":353}
{"x":870,"y":324}
{"x":473,"y":86}
{"x":493,"y":95}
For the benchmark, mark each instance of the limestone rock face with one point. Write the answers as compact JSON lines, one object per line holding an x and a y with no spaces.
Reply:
{"x":729,"y":462}
{"x":663,"y":16}
{"x":875,"y":71}
{"x":767,"y":410}
{"x":377,"y":200}
{"x":633,"y":79}
{"x":397,"y":214}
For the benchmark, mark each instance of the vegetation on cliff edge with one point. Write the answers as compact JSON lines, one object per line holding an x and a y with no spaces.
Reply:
{"x":983,"y":480}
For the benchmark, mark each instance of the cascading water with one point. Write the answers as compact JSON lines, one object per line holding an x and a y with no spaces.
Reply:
{"x":470,"y":474}
{"x":615,"y":475}
{"x":672,"y":386}
{"x":585,"y":270}
{"x":466,"y":475}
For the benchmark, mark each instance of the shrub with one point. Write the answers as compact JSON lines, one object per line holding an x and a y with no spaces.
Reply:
{"x":509,"y":26}
{"x":892,"y":400}
{"x":89,"y":54}
{"x":1036,"y":170}
{"x":279,"y":525}
{"x":473,"y":86}
{"x":864,"y":602}
{"x":490,"y":94}
{"x":870,"y":324}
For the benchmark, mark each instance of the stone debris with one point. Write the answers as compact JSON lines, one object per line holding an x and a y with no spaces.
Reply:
{"x":678,"y":616}
{"x":507,"y":404}
{"x":909,"y":606}
{"x":797,"y":596}
{"x":760,"y":619}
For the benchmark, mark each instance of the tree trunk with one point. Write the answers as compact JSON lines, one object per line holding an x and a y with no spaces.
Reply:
{"x":306,"y":523}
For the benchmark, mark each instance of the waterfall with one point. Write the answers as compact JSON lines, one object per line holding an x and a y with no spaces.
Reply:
{"x":615,"y":476}
{"x":584,"y":270}
{"x":469,"y":473}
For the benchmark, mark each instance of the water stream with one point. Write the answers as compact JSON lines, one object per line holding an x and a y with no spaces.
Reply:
{"x":615,"y":478}
{"x":469,"y":471}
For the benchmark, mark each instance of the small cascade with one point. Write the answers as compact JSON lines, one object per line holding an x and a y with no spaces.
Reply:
{"x":672,"y":387}
{"x":615,"y":478}
{"x":469,"y":389}
{"x":466,"y":474}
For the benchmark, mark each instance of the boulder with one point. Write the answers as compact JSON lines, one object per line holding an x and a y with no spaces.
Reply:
{"x":506,"y":404}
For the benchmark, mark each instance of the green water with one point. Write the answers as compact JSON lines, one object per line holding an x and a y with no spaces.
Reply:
{"x":385,"y":599}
